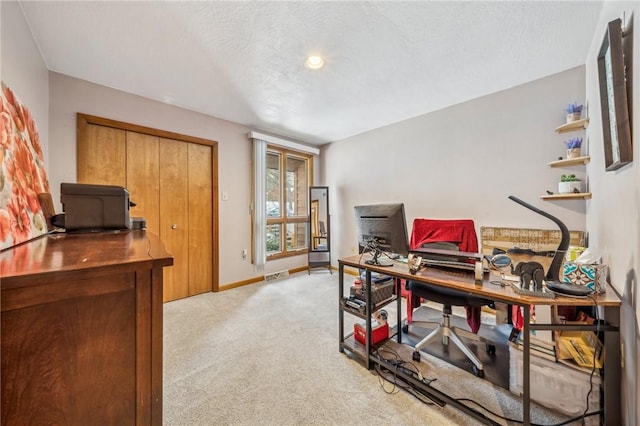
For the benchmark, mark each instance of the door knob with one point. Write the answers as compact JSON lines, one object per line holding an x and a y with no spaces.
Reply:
{"x":174,"y":226}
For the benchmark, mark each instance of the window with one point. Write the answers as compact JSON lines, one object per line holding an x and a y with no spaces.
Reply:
{"x":287,"y":197}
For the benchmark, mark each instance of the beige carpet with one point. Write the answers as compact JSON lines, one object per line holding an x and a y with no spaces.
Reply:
{"x":268,"y":354}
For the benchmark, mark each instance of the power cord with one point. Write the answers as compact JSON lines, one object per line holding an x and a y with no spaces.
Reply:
{"x":381,"y":378}
{"x":568,"y":421}
{"x":596,"y":354}
{"x":408,"y":367}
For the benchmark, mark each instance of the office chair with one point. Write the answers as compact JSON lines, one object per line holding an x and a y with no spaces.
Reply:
{"x":322,"y":229}
{"x":447,"y":235}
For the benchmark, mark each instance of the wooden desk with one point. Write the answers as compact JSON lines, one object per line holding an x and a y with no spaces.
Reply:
{"x":82,"y":329}
{"x":464,"y":281}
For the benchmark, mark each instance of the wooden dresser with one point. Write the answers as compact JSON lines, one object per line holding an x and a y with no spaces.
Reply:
{"x":82,"y":330}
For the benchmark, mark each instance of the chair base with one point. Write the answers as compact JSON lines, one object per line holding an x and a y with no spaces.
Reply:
{"x":452,"y":333}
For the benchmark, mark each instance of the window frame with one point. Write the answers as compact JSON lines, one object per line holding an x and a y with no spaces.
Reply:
{"x":283,"y":220}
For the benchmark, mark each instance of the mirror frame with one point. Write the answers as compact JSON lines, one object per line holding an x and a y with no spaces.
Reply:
{"x":316,"y":216}
{"x":616,"y":126}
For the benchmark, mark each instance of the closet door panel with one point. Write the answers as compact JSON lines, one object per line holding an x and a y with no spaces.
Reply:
{"x":174,"y":220}
{"x":143,"y":178}
{"x":101,"y":153}
{"x":200,"y":219}
{"x":171,"y":178}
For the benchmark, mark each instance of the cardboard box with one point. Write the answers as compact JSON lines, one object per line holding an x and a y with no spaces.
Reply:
{"x":580,"y":346}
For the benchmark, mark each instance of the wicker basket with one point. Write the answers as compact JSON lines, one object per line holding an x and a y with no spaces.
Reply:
{"x":380,"y":292}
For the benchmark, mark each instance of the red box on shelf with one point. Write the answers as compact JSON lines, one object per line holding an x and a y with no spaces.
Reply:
{"x":378,"y":332}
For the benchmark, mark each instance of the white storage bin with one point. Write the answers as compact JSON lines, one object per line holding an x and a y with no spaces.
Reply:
{"x":556,"y":385}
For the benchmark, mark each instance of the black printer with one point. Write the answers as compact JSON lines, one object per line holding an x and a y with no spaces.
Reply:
{"x":92,"y":208}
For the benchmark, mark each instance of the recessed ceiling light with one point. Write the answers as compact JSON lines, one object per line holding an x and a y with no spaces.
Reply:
{"x":314,"y":62}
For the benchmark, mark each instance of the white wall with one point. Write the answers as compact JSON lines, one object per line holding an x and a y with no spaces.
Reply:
{"x":70,"y":96}
{"x":23,"y":69}
{"x":613,"y":215}
{"x":462,"y":162}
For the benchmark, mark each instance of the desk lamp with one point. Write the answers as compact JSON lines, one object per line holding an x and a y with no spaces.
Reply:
{"x":553,"y":274}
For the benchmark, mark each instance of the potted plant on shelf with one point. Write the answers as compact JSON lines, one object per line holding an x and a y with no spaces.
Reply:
{"x":573,"y":112}
{"x":569,"y":184}
{"x":573,"y":147}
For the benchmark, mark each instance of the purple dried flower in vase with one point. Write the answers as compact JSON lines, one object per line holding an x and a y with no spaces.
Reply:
{"x":573,"y":143}
{"x":573,"y":108}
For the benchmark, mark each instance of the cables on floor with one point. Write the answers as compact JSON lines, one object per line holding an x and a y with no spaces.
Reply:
{"x":565,"y":422}
{"x":392,"y":358}
{"x":390,"y":375}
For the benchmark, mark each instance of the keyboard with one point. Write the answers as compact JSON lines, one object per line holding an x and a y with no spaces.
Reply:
{"x":452,"y":264}
{"x":449,"y":264}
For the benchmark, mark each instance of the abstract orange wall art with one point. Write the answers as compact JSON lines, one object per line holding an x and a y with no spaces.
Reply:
{"x":22,"y":173}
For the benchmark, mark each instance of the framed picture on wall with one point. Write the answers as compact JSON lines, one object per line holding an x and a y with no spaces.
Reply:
{"x":22,"y":174}
{"x":613,"y":99}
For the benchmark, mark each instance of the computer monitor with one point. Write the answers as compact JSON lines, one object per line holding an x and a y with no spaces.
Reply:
{"x":382,"y":228}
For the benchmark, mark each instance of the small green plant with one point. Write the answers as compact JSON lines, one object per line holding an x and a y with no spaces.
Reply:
{"x":573,"y":108}
{"x":569,"y":178}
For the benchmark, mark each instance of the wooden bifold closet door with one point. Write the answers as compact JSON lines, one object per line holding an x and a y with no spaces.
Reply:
{"x":172,"y":183}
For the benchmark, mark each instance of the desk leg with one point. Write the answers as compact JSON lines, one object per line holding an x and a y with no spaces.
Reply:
{"x":340,"y":312}
{"x":369,"y":311}
{"x":399,"y":308}
{"x":612,"y":367}
{"x":526,"y":359}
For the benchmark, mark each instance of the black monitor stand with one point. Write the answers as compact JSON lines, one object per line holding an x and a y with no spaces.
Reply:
{"x":373,"y":246}
{"x":375,"y":261}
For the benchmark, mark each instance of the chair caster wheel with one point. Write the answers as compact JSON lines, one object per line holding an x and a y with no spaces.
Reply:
{"x":491,"y":349}
{"x":416,"y":356}
{"x":405,"y":328}
{"x":477,"y":372}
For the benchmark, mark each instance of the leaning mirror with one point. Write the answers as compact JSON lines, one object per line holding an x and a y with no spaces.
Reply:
{"x":319,"y":230}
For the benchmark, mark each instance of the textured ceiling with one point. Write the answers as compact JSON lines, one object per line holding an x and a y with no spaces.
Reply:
{"x":243,"y":61}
